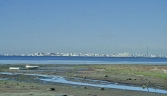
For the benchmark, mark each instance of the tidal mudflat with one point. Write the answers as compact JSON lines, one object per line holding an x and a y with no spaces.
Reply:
{"x":84,"y":80}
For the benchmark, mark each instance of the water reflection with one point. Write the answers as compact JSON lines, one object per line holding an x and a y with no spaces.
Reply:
{"x":99,"y":83}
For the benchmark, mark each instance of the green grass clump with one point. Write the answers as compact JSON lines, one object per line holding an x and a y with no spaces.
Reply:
{"x":127,"y":69}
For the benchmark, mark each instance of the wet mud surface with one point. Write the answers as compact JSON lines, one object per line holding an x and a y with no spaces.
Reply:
{"x":86,"y":74}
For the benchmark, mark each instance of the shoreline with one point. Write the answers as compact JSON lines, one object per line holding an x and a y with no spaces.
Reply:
{"x":111,"y":73}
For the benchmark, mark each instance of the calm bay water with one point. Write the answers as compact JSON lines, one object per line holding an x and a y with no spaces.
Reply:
{"x":79,"y":60}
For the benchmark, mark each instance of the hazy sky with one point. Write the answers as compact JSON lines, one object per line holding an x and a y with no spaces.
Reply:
{"x":83,"y":26}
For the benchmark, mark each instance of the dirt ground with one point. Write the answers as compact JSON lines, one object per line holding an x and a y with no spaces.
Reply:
{"x":138,"y":75}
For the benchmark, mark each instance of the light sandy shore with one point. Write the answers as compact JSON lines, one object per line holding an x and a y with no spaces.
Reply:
{"x":138,"y":75}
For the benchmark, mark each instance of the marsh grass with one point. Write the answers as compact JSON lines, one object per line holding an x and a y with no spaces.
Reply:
{"x":144,"y":70}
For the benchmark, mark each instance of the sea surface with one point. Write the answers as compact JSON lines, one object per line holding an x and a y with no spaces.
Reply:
{"x":80,"y":60}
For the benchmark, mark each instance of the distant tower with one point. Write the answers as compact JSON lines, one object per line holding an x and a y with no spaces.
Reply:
{"x":147,"y":51}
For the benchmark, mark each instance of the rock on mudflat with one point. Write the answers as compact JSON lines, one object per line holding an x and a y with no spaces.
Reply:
{"x":61,"y":95}
{"x":85,"y":87}
{"x":51,"y":89}
{"x":102,"y":89}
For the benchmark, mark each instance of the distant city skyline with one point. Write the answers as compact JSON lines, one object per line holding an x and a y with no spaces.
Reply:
{"x":83,"y":26}
{"x":124,"y":54}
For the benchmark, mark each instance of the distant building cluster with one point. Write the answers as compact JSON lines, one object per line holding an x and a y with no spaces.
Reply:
{"x":124,"y":54}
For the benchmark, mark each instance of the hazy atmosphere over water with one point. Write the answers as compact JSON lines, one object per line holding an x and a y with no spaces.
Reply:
{"x":83,"y":26}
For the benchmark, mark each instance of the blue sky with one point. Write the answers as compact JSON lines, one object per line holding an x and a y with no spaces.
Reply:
{"x":83,"y":26}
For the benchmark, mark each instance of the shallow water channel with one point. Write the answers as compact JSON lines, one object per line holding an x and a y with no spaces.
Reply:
{"x":85,"y":82}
